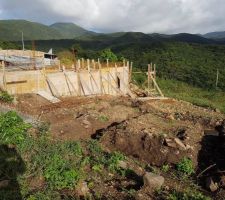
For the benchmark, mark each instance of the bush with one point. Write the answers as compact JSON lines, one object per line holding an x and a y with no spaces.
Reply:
{"x":6,"y":97}
{"x":12,"y":128}
{"x":185,"y":166}
{"x":59,"y":175}
{"x":108,"y":54}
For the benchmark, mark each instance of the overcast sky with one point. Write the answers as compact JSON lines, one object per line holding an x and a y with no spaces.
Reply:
{"x":164,"y":16}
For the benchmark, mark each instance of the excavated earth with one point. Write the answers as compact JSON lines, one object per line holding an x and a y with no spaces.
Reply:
{"x":154,"y":132}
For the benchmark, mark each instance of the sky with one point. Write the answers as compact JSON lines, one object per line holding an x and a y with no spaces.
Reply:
{"x":149,"y":16}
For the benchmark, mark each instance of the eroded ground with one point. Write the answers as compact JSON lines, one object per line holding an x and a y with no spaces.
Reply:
{"x":157,"y":133}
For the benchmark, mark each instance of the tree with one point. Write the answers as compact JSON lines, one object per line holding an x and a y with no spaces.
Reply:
{"x":108,"y":54}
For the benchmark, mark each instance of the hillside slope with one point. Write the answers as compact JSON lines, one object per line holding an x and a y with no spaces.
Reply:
{"x":215,"y":35}
{"x":11,"y":30}
{"x":70,"y":30}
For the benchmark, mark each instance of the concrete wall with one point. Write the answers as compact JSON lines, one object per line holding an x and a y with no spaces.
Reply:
{"x":114,"y":82}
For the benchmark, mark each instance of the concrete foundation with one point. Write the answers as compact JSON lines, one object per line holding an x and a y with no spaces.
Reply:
{"x":112,"y":81}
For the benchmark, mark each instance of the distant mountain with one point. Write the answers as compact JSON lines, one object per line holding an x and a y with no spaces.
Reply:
{"x":11,"y":30}
{"x":215,"y":35}
{"x":191,"y":38}
{"x":70,"y":30}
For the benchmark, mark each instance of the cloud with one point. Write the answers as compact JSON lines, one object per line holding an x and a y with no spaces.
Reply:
{"x":164,"y":16}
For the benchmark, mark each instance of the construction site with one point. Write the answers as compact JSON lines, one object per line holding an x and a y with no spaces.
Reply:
{"x":93,"y":100}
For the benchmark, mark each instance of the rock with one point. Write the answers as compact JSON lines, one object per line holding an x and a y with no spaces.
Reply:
{"x":4,"y":184}
{"x":180,"y":144}
{"x":82,"y":189}
{"x":170,"y":143}
{"x":153,"y":181}
{"x":86,"y":122}
{"x":122,"y":164}
{"x":210,"y":185}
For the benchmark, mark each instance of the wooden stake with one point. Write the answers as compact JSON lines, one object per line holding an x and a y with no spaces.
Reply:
{"x":130,"y":72}
{"x":4,"y":75}
{"x":107,"y":64}
{"x":149,"y":70}
{"x":82,"y":66}
{"x":99,"y":63}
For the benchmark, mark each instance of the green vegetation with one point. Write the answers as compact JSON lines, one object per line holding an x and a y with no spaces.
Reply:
{"x":108,"y":54}
{"x":5,"y":97}
{"x":66,"y":58}
{"x":103,"y":118}
{"x":61,"y":165}
{"x":213,"y":99}
{"x":185,"y":166}
{"x":189,"y":195}
{"x":12,"y":129}
{"x":181,"y":194}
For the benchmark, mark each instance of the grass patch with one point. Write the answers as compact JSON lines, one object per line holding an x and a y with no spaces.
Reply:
{"x":185,"y":166}
{"x":61,"y":164}
{"x":6,"y":97}
{"x":197,"y":96}
{"x":103,"y":118}
{"x":214,"y":99}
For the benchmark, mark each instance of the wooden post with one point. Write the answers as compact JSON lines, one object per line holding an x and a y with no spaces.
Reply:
{"x":149,"y":71}
{"x":4,"y":75}
{"x":82,"y":65}
{"x":99,"y":63}
{"x":217,"y":77}
{"x":116,"y":75}
{"x":107,"y":63}
{"x":130,"y":72}
{"x":93,"y":63}
{"x":88,"y":65}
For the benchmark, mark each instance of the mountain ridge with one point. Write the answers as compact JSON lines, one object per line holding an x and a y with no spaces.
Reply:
{"x":11,"y":30}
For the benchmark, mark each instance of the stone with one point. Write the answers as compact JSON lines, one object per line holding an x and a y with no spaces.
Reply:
{"x":82,"y":189}
{"x":153,"y":181}
{"x":86,"y":122}
{"x":170,"y":143}
{"x":180,"y":144}
{"x":122,"y":164}
{"x":4,"y":184}
{"x":211,"y":185}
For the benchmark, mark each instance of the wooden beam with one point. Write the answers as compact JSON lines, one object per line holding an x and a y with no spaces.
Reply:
{"x":156,"y":85}
{"x":4,"y":76}
{"x":149,"y":68}
{"x":16,"y":82}
{"x":130,"y":72}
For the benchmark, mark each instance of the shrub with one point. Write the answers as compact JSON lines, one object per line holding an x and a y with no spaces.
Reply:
{"x":189,"y":195}
{"x":185,"y":166}
{"x":108,"y":54}
{"x":103,"y":118}
{"x":6,"y":97}
{"x":59,"y":175}
{"x":12,"y":128}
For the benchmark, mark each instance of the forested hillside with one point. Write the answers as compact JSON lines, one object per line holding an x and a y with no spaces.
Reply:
{"x":183,"y":57}
{"x":193,"y":63}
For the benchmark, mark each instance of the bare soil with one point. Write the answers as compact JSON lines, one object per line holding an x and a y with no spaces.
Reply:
{"x":145,"y":131}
